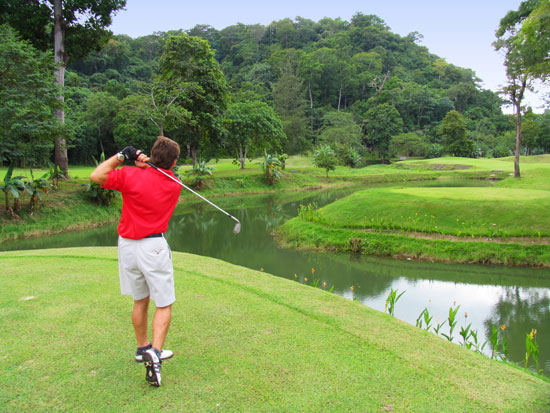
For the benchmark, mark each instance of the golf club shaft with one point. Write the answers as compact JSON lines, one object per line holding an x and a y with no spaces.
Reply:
{"x":190,"y":190}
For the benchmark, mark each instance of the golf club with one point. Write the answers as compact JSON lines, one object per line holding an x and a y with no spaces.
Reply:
{"x":237,"y":227}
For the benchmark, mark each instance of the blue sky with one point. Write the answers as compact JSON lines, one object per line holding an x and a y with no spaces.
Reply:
{"x":460,"y":32}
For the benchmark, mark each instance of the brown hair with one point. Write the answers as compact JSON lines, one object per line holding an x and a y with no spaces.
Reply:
{"x":165,"y":151}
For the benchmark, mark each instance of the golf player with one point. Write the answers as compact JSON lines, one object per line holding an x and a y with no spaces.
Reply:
{"x":144,"y":257}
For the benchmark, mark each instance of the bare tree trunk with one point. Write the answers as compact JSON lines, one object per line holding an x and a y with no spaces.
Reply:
{"x":60,"y":58}
{"x":242,"y":155}
{"x":518,"y":141}
{"x":339,"y":98}
{"x":310,"y":96}
{"x":194,"y":156}
{"x":516,"y":99}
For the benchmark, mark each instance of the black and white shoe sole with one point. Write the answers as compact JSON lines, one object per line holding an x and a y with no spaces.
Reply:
{"x":151,"y":376}
{"x":164,"y":355}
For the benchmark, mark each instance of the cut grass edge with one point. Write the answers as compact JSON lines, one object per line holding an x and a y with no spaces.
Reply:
{"x":301,"y":234}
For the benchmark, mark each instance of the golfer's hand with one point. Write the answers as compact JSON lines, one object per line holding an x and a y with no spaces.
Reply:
{"x":130,"y":153}
{"x":141,"y":159}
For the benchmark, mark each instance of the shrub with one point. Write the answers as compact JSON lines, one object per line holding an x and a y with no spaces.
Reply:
{"x":408,"y":144}
{"x":198,"y":173}
{"x":323,"y":157}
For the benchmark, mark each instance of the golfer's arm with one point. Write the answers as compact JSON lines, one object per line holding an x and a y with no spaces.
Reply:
{"x":101,"y":173}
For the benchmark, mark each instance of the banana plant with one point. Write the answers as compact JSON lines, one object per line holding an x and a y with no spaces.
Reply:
{"x":35,"y":187}
{"x":12,"y":186}
{"x":198,"y":173}
{"x":270,"y":166}
{"x":100,"y":195}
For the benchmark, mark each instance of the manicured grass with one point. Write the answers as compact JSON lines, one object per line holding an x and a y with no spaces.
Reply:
{"x":69,"y":208}
{"x":66,"y":208}
{"x":489,"y":212}
{"x":527,"y":163}
{"x":297,"y":233}
{"x":243,"y":341}
{"x":390,"y":221}
{"x":75,"y":172}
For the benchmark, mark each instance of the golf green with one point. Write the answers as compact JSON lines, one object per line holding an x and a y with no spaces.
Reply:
{"x":456,"y":211}
{"x":476,"y":194}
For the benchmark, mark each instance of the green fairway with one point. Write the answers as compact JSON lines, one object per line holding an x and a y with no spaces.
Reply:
{"x":488,"y":212}
{"x":477,"y":194}
{"x":243,"y":340}
{"x":461,"y":211}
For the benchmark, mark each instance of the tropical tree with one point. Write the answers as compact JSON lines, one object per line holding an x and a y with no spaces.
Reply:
{"x":28,"y":99}
{"x":250,"y":128}
{"x":166,"y":101}
{"x":343,"y":135}
{"x":380,"y":124}
{"x":524,"y":38}
{"x":290,"y":104}
{"x":455,"y":139}
{"x":191,"y":73}
{"x":324,"y":157}
{"x":35,"y":187}
{"x":408,"y":144}
{"x":12,"y":186}
{"x":76,"y":28}
{"x":133,"y":124}
{"x":101,"y":110}
{"x":271,"y":165}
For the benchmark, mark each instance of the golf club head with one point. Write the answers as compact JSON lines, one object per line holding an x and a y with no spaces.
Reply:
{"x":237,"y":228}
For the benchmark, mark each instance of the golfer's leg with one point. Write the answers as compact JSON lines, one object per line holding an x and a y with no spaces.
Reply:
{"x":139,"y":318}
{"x":161,"y":322}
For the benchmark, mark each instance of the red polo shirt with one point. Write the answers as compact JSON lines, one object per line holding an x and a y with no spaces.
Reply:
{"x":148,"y":200}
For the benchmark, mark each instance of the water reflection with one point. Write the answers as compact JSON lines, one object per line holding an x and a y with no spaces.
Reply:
{"x":517,"y":297}
{"x":521,"y":310}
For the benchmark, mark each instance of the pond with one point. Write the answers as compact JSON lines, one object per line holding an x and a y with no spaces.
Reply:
{"x":487,"y":295}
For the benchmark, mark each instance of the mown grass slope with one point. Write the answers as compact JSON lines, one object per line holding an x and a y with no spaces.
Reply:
{"x":243,"y":340}
{"x":507,"y":223}
{"x":462,"y":211}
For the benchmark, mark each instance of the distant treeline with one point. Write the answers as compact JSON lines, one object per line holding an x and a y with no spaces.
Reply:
{"x":352,"y":84}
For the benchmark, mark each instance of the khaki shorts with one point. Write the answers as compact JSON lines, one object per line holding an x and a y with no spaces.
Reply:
{"x":145,"y":270}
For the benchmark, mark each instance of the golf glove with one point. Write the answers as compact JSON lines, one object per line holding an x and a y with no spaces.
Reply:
{"x":130,"y":153}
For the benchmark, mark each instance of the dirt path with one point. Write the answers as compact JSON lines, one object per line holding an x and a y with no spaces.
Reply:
{"x":498,"y":240}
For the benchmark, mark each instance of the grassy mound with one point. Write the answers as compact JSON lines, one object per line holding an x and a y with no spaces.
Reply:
{"x":243,"y":340}
{"x":489,"y":212}
{"x":302,"y":234}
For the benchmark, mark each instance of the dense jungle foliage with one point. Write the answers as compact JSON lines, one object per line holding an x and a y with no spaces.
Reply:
{"x":353,"y":85}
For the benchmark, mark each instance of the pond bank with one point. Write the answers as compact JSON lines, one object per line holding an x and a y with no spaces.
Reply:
{"x":69,"y":208}
{"x":243,"y":340}
{"x":298,"y":233}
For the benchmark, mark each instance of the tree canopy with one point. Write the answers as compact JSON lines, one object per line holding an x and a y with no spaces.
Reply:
{"x":188,"y":66}
{"x":28,"y":97}
{"x":524,"y":38}
{"x":251,"y":128}
{"x":310,"y":72}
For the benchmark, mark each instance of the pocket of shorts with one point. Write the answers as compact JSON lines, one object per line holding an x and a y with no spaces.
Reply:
{"x":159,"y":247}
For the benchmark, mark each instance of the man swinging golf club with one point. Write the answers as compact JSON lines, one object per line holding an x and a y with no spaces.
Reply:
{"x":144,"y":257}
